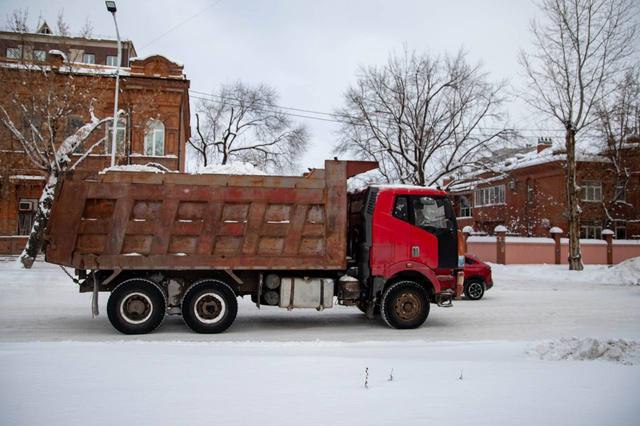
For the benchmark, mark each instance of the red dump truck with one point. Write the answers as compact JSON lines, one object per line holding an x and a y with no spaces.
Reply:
{"x":172,"y":243}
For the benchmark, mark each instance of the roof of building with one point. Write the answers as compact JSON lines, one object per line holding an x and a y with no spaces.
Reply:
{"x":523,"y":158}
{"x":79,"y":68}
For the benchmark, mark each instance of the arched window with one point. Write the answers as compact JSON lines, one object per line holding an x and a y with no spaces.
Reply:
{"x":154,"y":139}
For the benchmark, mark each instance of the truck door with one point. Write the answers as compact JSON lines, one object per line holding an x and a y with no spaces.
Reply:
{"x":434,"y":241}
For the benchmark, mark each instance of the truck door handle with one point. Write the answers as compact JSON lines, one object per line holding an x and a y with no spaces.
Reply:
{"x":415,"y":251}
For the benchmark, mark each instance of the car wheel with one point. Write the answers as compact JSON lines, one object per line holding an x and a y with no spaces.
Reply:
{"x":405,"y":304}
{"x":474,"y":289}
{"x":209,"y":306}
{"x":136,"y":306}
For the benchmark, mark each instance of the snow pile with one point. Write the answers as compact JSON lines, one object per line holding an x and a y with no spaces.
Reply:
{"x":362,"y":181}
{"x":586,"y":349}
{"x":237,"y":168}
{"x":133,"y":168}
{"x":626,"y":273}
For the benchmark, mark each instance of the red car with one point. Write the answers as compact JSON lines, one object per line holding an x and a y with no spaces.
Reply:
{"x":477,"y":277}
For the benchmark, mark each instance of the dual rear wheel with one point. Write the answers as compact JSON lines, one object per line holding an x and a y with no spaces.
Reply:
{"x":138,"y":306}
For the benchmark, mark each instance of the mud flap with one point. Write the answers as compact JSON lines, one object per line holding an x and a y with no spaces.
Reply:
{"x":94,"y":298}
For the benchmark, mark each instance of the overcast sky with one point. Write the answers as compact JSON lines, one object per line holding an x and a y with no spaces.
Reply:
{"x":309,"y":51}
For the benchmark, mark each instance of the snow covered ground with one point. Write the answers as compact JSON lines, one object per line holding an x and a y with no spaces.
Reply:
{"x":545,"y":346}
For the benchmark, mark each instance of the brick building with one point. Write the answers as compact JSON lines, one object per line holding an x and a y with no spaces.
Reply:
{"x":154,"y":129}
{"x":526,"y":193}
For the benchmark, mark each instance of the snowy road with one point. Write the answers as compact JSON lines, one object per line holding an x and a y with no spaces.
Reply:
{"x":59,"y":366}
{"x":527,"y":303}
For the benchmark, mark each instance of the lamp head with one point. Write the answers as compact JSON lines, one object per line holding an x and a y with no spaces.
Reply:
{"x":111,"y":6}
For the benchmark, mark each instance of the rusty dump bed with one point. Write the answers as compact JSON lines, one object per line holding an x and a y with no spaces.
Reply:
{"x":137,"y":220}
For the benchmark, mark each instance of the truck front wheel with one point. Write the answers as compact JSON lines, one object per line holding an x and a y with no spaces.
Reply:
{"x":136,"y":306}
{"x":209,"y":306}
{"x":405,"y":304}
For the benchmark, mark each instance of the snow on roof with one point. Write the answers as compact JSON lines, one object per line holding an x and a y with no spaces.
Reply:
{"x":81,"y":68}
{"x":142,"y":58}
{"x":555,"y":153}
{"x":556,"y":230}
{"x":404,"y":186}
{"x":467,"y":229}
{"x":132,"y":168}
{"x":236,"y":168}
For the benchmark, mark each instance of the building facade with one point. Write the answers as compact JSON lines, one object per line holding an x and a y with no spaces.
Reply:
{"x":154,"y":127}
{"x":527,"y":194}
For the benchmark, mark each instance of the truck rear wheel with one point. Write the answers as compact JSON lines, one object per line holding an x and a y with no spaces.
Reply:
{"x":136,"y":306}
{"x":405,"y":304}
{"x":209,"y":306}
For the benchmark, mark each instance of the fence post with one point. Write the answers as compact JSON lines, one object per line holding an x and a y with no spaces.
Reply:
{"x":556,"y":234}
{"x":501,"y":236}
{"x":466,"y":233}
{"x":607,"y":235}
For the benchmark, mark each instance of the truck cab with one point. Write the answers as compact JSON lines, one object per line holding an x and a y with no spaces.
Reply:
{"x":402,"y":237}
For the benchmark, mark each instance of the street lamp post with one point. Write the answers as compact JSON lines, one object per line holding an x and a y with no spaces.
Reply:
{"x":111,"y":7}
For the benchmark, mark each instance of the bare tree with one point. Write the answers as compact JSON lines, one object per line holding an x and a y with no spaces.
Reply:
{"x":243,"y":123}
{"x":87,"y":29}
{"x":17,"y":21}
{"x":421,"y":117}
{"x":619,"y":128}
{"x":63,"y":27}
{"x":35,"y":108}
{"x":580,"y":47}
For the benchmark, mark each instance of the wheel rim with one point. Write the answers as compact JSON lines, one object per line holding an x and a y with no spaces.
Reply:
{"x":136,"y":308}
{"x":475,"y":290}
{"x":209,"y":308}
{"x":407,"y":306}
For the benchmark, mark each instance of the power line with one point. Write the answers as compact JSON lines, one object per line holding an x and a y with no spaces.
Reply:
{"x":262,"y":103}
{"x":182,"y":23}
{"x":335,"y":118}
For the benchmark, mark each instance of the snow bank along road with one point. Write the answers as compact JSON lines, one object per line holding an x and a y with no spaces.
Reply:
{"x":59,"y":366}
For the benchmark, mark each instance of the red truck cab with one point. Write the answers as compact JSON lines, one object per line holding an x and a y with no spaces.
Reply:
{"x":406,"y":236}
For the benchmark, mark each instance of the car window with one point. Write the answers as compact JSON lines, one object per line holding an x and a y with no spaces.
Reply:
{"x":401,"y":208}
{"x":430,"y":212}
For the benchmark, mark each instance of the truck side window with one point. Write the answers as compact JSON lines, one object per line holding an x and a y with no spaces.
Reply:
{"x":401,"y":208}
{"x":430,"y":213}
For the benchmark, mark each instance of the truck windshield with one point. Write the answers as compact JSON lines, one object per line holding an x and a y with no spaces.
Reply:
{"x":430,"y":213}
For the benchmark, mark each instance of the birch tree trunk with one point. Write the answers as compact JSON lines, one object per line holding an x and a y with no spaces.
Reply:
{"x":35,"y":240}
{"x":573,"y":209}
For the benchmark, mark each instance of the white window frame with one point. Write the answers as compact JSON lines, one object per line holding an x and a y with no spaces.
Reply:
{"x":121,"y":136}
{"x":466,"y":211}
{"x":154,"y":138}
{"x":490,"y":196}
{"x":618,"y":228}
{"x":86,"y":56}
{"x":113,"y":59}
{"x":13,"y":51}
{"x":591,"y":232}
{"x":39,"y":55}
{"x":591,"y":191}
{"x":26,"y":218}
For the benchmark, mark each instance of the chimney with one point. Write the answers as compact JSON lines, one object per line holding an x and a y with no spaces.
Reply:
{"x":543,"y":143}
